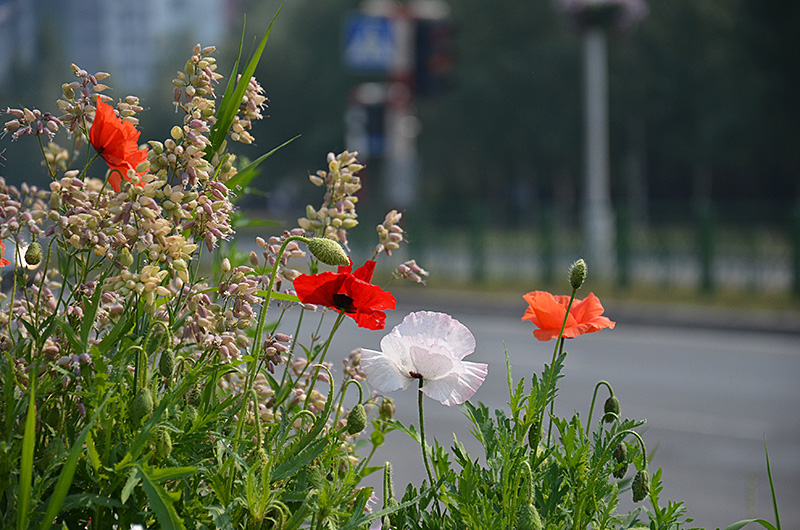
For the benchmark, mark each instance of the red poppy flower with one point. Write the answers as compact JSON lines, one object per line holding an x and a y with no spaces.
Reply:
{"x":3,"y":260}
{"x":352,"y":294}
{"x":117,"y":141}
{"x":547,"y":314}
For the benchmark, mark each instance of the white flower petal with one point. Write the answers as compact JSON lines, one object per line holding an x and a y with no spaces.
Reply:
{"x":382,"y":371}
{"x":429,"y":364}
{"x":430,"y":345}
{"x":439,"y":328}
{"x":458,"y":386}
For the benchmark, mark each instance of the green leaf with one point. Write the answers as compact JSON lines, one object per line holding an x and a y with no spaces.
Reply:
{"x":741,"y":524}
{"x":91,"y":312}
{"x":244,"y":176}
{"x":94,"y":456}
{"x":278,"y":296}
{"x":72,"y":337}
{"x":122,"y":326}
{"x":87,"y":500}
{"x":133,"y":480}
{"x":303,"y":457}
{"x":232,"y":99}
{"x":68,"y":471}
{"x":26,"y":470}
{"x":172,"y":473}
{"x":222,"y":520}
{"x":161,"y":501}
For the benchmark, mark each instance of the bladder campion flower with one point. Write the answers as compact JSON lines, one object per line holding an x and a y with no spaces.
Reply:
{"x":116,"y":140}
{"x":430,"y":347}
{"x":547,"y":312}
{"x":350,"y":293}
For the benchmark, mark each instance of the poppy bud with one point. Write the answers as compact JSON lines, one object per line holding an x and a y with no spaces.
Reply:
{"x":328,"y":251}
{"x":357,"y":419}
{"x":141,"y":406}
{"x":640,"y":486}
{"x":193,"y":396}
{"x":191,"y":414}
{"x":166,"y":364}
{"x":577,"y":274}
{"x":620,"y":454}
{"x":533,"y":435}
{"x":611,"y":409}
{"x":163,"y":444}
{"x":34,"y":254}
{"x":528,"y":518}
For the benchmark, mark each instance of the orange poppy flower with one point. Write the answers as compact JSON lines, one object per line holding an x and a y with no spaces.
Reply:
{"x":3,"y":260}
{"x":547,"y":311}
{"x":117,"y":141}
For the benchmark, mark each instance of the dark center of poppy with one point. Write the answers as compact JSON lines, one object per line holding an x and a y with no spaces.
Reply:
{"x":343,"y":302}
{"x":415,"y":375}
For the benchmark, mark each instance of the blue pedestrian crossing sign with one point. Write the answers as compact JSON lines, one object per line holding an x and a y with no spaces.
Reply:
{"x":370,"y":43}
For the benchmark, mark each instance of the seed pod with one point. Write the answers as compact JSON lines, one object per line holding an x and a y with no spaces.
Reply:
{"x":141,"y":406}
{"x":533,"y":435}
{"x":166,"y":364}
{"x":611,"y":409}
{"x":640,"y":486}
{"x":328,"y":251}
{"x":620,"y":454}
{"x":163,"y":444}
{"x":528,"y":518}
{"x":34,"y":254}
{"x":357,"y":419}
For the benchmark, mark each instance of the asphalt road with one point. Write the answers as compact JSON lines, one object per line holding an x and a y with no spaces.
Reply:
{"x":710,"y":394}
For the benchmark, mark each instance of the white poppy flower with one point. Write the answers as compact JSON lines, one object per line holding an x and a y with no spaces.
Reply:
{"x":428,"y":346}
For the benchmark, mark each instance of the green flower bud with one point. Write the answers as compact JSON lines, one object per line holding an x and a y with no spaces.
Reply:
{"x":577,"y":274}
{"x":141,"y":406}
{"x":328,"y":251}
{"x":166,"y":364}
{"x":640,"y":486}
{"x":34,"y":254}
{"x":620,"y":454}
{"x":387,"y":409}
{"x":125,"y":257}
{"x":611,"y":409}
{"x":528,"y":518}
{"x":533,"y":435}
{"x":357,"y":419}
{"x":163,"y":444}
{"x":191,"y":414}
{"x":193,"y":396}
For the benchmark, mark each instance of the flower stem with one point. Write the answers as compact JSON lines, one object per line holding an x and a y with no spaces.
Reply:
{"x":594,"y":397}
{"x":322,"y":359}
{"x":559,"y":347}
{"x":422,"y":436}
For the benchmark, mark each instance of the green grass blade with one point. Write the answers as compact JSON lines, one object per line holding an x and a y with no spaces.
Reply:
{"x":26,"y":471}
{"x":68,"y":471}
{"x":772,"y":487}
{"x":231,"y":101}
{"x":243,"y":177}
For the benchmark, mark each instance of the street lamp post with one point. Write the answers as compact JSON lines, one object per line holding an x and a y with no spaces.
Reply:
{"x":594,"y":19}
